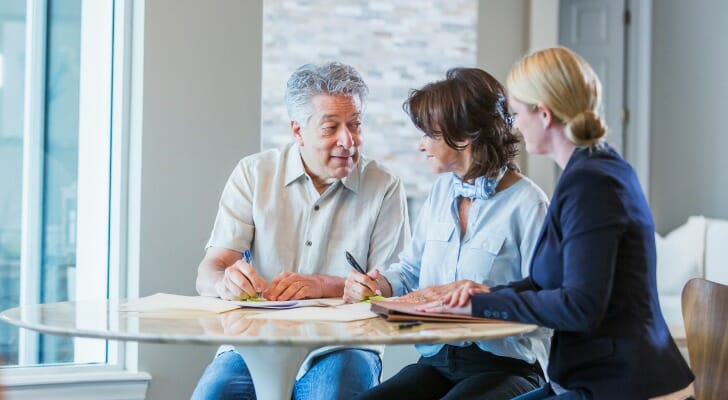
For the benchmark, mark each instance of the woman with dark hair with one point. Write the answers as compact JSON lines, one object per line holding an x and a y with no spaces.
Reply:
{"x":479,"y":223}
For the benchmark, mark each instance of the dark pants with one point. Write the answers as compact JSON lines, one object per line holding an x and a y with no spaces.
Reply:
{"x":460,"y":373}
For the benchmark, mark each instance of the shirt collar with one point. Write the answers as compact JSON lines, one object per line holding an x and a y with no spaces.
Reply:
{"x":294,"y":164}
{"x":294,"y":169}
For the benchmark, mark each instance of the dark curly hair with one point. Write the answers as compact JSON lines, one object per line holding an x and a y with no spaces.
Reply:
{"x":468,"y":104}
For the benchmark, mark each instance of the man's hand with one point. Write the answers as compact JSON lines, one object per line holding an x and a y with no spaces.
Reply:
{"x":239,"y":282}
{"x":359,"y":287}
{"x":292,"y":286}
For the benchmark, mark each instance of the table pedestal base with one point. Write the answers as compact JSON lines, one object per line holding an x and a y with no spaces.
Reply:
{"x":273,"y":369}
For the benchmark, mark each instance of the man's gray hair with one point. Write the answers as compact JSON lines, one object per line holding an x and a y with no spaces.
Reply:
{"x":331,"y":78}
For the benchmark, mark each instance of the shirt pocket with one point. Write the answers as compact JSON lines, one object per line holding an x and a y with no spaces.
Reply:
{"x":480,"y":255}
{"x":437,"y":243}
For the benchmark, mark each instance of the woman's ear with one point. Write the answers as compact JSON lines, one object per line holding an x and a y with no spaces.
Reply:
{"x":545,"y":114}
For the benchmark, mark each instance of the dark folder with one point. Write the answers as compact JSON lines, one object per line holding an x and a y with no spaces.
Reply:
{"x":396,"y":311}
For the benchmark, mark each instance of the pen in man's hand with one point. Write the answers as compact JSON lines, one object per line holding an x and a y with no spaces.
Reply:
{"x":246,"y":258}
{"x":352,"y":261}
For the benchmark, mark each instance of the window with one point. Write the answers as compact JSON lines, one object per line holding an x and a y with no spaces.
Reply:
{"x":396,"y":45}
{"x":56,"y":156}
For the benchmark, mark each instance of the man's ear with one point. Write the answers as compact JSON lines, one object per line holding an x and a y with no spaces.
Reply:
{"x":545,"y":114}
{"x":296,"y":129}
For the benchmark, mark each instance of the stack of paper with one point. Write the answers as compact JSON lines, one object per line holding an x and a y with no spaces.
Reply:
{"x":166,"y":302}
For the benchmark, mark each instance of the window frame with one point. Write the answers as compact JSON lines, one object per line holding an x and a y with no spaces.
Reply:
{"x":110,"y":45}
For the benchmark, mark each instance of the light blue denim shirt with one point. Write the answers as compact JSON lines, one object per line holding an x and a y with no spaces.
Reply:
{"x":496,"y":248}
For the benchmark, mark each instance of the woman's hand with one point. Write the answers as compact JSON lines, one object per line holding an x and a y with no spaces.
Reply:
{"x":428,"y":294}
{"x":441,"y":307}
{"x":457,"y":300}
{"x":461,"y":294}
{"x":358,"y":287}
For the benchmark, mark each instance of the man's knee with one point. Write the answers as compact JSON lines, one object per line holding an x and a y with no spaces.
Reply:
{"x":340,"y":375}
{"x":226,"y":377}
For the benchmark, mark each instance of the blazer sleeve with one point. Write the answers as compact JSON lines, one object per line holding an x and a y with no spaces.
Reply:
{"x":592,"y":221}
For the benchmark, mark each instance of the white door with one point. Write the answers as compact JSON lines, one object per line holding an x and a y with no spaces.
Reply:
{"x":596,"y":30}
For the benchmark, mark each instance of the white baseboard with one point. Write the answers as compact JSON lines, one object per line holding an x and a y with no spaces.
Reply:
{"x":117,"y":385}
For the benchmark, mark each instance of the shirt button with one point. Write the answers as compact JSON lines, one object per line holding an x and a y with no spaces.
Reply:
{"x":308,"y":243}
{"x":316,"y":208}
{"x":486,"y":313}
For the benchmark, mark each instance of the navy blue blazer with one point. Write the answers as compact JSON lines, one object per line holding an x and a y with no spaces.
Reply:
{"x":593,"y":281}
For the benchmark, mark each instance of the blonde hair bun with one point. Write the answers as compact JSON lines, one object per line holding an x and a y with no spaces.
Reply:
{"x":586,"y":129}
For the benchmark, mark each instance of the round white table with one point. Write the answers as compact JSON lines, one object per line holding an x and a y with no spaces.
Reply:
{"x":273,"y":349}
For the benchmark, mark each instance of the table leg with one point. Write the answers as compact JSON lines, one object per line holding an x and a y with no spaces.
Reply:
{"x":273,"y":369}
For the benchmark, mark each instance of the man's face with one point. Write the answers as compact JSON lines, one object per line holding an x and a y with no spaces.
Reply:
{"x":331,"y":139}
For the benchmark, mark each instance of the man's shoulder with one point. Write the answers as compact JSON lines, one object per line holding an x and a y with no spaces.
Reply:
{"x":266,"y":160}
{"x":372,"y":170}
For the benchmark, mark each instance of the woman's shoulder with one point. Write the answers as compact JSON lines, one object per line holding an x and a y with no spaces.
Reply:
{"x":526,"y":191}
{"x":600,"y":171}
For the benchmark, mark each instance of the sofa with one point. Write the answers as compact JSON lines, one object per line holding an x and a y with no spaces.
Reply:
{"x":699,"y":248}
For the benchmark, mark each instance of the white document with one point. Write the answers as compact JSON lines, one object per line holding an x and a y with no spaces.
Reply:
{"x":169,"y":302}
{"x":342,"y":313}
{"x":281,"y":305}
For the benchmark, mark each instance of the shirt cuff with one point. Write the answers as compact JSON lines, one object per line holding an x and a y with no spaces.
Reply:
{"x":395,"y":282}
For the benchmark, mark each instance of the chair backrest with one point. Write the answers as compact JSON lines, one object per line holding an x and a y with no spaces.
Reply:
{"x":705,"y":311}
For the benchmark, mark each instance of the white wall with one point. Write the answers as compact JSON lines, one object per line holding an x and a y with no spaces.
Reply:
{"x":689,"y":132}
{"x":200,"y":114}
{"x":507,"y":30}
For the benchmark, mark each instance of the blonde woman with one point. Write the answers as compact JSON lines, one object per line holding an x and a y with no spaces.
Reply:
{"x":592,"y":277}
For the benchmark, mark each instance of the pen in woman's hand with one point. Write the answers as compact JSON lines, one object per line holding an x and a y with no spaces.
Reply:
{"x":352,"y":261}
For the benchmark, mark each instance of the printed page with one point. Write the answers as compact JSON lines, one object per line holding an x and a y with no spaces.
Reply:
{"x":342,"y":313}
{"x":172,"y":302}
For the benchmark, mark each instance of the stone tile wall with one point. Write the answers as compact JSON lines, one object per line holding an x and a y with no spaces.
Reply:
{"x":396,"y":45}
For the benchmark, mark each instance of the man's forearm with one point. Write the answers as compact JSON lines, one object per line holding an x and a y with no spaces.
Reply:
{"x":207,"y":278}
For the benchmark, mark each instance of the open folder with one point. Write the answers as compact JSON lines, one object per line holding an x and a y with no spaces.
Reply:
{"x":396,"y":311}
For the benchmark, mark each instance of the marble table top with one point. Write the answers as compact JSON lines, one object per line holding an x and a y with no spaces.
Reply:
{"x":103,"y":319}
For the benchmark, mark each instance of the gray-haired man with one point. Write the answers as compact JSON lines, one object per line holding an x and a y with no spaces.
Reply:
{"x":298,"y":209}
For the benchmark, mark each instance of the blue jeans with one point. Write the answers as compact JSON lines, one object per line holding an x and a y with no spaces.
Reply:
{"x":338,"y":375}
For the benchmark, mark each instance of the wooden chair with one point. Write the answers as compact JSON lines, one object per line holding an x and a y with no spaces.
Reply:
{"x":705,"y":311}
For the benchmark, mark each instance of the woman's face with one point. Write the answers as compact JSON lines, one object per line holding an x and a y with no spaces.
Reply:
{"x":528,"y":121}
{"x":443,"y":158}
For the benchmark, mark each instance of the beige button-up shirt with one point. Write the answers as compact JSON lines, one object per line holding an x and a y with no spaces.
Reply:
{"x":270,"y":206}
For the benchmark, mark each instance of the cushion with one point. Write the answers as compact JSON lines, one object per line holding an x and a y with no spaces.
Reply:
{"x":680,"y":255}
{"x":716,"y":251}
